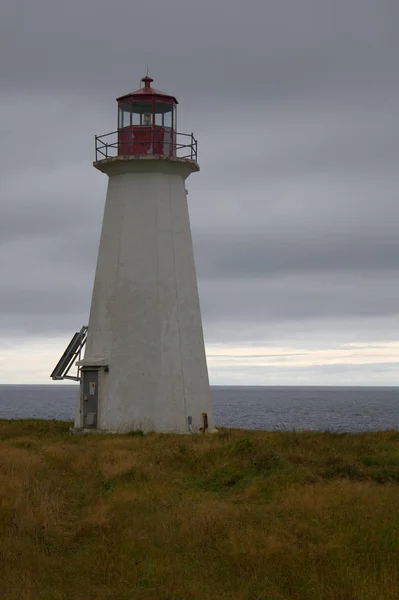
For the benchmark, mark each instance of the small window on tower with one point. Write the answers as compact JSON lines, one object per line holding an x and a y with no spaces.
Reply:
{"x":142,"y":113}
{"x":163,"y":114}
{"x":124,"y":115}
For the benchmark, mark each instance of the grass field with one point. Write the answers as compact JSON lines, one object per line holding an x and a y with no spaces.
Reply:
{"x":239,"y":514}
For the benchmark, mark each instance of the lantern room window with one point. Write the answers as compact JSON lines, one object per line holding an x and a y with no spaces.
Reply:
{"x":163,"y":114}
{"x":124,"y":115}
{"x":142,"y":113}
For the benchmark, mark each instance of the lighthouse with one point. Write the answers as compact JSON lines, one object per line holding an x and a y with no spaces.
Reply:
{"x":144,"y":365}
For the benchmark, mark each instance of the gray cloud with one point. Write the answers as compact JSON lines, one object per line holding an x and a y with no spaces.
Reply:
{"x":276,"y":48}
{"x":294,"y":214}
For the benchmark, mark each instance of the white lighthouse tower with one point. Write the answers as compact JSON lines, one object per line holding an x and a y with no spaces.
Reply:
{"x":144,"y":365}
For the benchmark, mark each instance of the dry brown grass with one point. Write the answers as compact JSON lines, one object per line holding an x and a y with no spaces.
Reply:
{"x":243,"y":515}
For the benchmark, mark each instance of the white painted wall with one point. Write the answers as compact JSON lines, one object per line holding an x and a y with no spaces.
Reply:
{"x":145,"y":320}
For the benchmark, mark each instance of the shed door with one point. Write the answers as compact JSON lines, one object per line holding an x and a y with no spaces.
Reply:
{"x":90,"y":398}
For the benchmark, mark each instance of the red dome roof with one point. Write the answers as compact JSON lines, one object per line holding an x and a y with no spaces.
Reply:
{"x":147,"y":90}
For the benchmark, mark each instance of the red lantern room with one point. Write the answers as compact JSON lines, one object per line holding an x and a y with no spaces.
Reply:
{"x":147,"y":122}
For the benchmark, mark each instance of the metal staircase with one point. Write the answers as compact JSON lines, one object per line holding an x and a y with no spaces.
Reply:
{"x":70,"y":356}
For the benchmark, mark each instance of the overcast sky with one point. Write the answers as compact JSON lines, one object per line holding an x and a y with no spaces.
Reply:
{"x":294,"y":214}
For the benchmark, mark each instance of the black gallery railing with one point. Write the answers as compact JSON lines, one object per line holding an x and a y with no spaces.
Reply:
{"x":155,"y":141}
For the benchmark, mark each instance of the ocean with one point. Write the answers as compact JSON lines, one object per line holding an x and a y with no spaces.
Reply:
{"x":268,"y":408}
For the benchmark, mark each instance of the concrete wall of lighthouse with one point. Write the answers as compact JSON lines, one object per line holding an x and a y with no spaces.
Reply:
{"x":145,"y":317}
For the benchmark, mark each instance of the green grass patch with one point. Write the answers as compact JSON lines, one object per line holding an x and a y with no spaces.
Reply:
{"x":235,"y":515}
